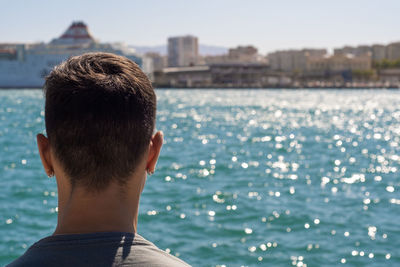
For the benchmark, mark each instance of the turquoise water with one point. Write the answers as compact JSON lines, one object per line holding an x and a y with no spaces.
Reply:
{"x":245,"y":178}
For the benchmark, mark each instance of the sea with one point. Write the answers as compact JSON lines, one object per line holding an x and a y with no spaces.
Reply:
{"x":245,"y":177}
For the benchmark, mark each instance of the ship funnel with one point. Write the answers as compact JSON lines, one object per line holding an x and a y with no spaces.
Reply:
{"x":77,"y":33}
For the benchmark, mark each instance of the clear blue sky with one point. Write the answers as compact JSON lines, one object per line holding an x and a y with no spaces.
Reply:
{"x":269,"y":25}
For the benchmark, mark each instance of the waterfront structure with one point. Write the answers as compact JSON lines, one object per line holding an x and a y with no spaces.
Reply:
{"x":194,"y":76}
{"x":293,"y":60}
{"x":26,"y":65}
{"x":183,"y":51}
{"x":390,"y":76}
{"x":222,"y":75}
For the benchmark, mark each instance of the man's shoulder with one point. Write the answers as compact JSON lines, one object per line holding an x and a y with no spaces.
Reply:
{"x":102,"y":249}
{"x":152,"y":254}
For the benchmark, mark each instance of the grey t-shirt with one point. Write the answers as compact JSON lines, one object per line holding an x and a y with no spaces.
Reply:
{"x":96,"y":249}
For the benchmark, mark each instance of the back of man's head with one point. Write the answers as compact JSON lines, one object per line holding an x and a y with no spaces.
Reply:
{"x":100,"y":115}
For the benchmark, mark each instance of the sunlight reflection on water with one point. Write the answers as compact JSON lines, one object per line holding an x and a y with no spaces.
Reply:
{"x":283,"y":177}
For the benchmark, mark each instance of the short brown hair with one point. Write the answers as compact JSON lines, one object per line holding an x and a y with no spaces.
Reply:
{"x":100,"y":115}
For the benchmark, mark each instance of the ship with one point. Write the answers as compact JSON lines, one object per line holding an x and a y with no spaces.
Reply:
{"x":25,"y":65}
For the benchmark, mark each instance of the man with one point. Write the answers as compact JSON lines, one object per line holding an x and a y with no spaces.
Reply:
{"x":100,"y":115}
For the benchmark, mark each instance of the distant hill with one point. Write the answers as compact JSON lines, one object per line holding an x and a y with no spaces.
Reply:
{"x":162,"y":49}
{"x":205,"y":50}
{"x":212,"y":50}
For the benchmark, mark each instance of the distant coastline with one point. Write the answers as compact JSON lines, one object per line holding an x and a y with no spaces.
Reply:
{"x":186,"y":64}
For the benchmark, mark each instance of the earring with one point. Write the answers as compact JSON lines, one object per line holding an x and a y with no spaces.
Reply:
{"x":150,"y":172}
{"x":51,"y":174}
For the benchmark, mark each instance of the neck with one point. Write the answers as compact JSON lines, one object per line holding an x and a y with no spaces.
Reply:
{"x":110,"y":210}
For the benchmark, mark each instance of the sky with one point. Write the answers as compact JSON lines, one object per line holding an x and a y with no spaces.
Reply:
{"x":268,"y":25}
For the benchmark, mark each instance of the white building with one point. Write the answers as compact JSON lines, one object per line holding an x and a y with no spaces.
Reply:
{"x":183,"y":51}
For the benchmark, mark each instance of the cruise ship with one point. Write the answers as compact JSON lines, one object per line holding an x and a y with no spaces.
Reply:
{"x":26,"y":65}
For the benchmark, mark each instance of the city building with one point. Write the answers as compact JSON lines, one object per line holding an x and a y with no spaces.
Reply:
{"x":351,"y":50}
{"x":183,"y":51}
{"x":338,"y":63}
{"x":393,"y":51}
{"x":153,"y":62}
{"x":363,"y":50}
{"x":346,"y":50}
{"x":378,"y":52}
{"x":293,"y":60}
{"x":240,"y":54}
{"x":243,"y":54}
{"x":208,"y":60}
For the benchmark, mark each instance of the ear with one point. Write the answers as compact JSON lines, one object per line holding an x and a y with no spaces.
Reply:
{"x":154,"y":151}
{"x":44,"y":152}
